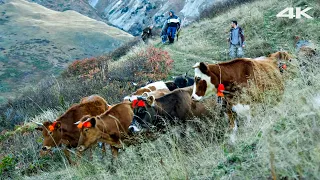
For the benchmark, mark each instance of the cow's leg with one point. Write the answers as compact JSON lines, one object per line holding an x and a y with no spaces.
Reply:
{"x":103,"y":149}
{"x":67,"y":154}
{"x":91,"y":154}
{"x":233,"y":125}
{"x":114,"y":151}
{"x":243,"y":111}
{"x":231,"y":117}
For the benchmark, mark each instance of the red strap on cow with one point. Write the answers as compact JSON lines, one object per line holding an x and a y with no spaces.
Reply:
{"x":85,"y":124}
{"x":220,"y":90}
{"x":52,"y":126}
{"x":138,"y":103}
{"x":80,"y":125}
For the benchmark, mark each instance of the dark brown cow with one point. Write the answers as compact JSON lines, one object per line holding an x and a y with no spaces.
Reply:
{"x":175,"y":105}
{"x":234,"y":76}
{"x":63,"y":130}
{"x":110,"y":127}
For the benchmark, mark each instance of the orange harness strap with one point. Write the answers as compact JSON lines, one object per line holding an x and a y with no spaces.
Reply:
{"x":220,"y":90}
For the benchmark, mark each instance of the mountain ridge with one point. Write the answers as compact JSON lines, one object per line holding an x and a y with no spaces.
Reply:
{"x":36,"y":41}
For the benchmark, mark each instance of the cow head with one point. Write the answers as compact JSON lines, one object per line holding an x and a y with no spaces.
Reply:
{"x":138,"y":93}
{"x":89,"y":132}
{"x":203,"y":86}
{"x":51,"y":132}
{"x":143,"y":114}
{"x":183,"y":81}
{"x":282,"y":56}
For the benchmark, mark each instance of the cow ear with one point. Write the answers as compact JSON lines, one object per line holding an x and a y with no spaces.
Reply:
{"x":58,"y":125}
{"x":203,"y":67}
{"x":185,"y":75}
{"x":47,"y":124}
{"x":93,"y":122}
{"x":150,"y":100}
{"x":39,"y":128}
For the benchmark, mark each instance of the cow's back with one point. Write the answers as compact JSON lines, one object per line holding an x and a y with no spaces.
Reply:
{"x":175,"y":105}
{"x":237,"y":71}
{"x":74,"y":114}
{"x":99,"y":101}
{"x":119,"y":117}
{"x":268,"y":76}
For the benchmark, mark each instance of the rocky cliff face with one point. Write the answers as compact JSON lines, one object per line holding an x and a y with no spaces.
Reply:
{"x":134,"y":15}
{"x":131,"y":15}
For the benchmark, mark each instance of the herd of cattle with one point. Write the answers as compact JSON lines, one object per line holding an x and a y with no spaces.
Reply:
{"x":93,"y":120}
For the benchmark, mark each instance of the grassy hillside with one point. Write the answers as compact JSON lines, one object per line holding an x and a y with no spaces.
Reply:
{"x":264,"y":32}
{"x":36,"y":42}
{"x":281,"y":138}
{"x":81,"y":6}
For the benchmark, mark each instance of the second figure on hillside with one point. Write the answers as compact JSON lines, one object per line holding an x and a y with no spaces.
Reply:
{"x":236,"y":40}
{"x":170,"y":27}
{"x":147,"y":33}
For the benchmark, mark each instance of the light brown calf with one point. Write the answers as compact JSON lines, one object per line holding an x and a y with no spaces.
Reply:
{"x":109,"y":127}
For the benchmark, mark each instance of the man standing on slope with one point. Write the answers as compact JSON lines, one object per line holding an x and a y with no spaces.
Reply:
{"x":236,"y":40}
{"x":170,"y":27}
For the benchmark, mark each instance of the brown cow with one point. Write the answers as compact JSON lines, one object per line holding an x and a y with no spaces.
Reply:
{"x":63,"y":130}
{"x":109,"y":127}
{"x":280,"y":58}
{"x":234,"y":76}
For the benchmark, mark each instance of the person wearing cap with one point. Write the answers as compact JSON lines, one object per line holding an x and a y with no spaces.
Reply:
{"x":170,"y":27}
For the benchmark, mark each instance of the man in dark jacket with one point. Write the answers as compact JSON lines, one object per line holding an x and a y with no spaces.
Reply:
{"x":170,"y":27}
{"x":236,"y":40}
{"x":147,"y":33}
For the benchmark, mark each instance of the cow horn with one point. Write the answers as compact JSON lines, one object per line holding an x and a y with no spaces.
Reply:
{"x":145,"y":94}
{"x":77,"y":122}
{"x":38,"y":123}
{"x":187,"y":72}
{"x":197,"y":65}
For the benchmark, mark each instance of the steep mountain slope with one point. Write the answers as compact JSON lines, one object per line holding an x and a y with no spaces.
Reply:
{"x":36,"y":41}
{"x":81,"y":6}
{"x":133,"y":15}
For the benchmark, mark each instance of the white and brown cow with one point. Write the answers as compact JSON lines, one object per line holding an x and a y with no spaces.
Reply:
{"x":235,"y":75}
{"x":159,"y":85}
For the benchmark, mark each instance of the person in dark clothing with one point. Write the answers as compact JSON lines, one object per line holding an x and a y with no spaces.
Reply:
{"x":170,"y":27}
{"x":147,"y":33}
{"x":236,"y":40}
